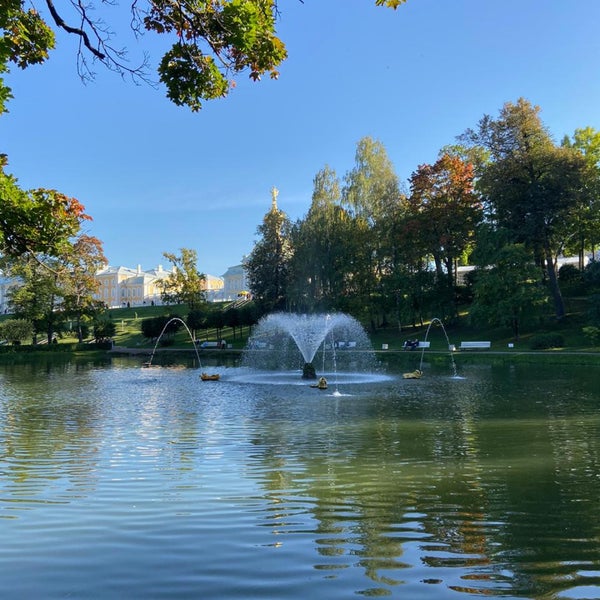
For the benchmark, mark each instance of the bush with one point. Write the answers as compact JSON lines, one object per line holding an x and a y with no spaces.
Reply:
{"x":591,"y":275}
{"x":543,"y":341}
{"x":571,"y":280}
{"x":153,"y":327}
{"x":592,"y":334}
{"x":569,"y":274}
{"x":593,"y":313}
{"x":16,"y":331}
{"x":104,"y":329}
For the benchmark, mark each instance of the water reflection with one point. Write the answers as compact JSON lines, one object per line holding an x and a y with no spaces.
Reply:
{"x":121,"y":481}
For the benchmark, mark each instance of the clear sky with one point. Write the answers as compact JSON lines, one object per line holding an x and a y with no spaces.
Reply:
{"x":156,"y":178}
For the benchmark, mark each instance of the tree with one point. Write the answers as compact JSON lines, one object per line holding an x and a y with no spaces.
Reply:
{"x":532,"y":187}
{"x":587,"y":141}
{"x":78,"y":282}
{"x":38,"y":295}
{"x":215,"y":320}
{"x":37,"y":222}
{"x":153,"y":327}
{"x":185,"y":284}
{"x":26,"y":40}
{"x":231,"y":318}
{"x":249,"y":315}
{"x":196,"y":319}
{"x":323,"y":248}
{"x":212,"y":41}
{"x":372,"y":196}
{"x":268,"y":264}
{"x":509,"y":291}
{"x":446,"y":211}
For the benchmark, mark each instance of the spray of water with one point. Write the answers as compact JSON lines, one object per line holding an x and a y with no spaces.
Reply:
{"x":439,"y":322}
{"x":173,"y":320}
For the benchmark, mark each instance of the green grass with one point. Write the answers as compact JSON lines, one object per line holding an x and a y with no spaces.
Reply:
{"x":128,"y":334}
{"x":128,"y":322}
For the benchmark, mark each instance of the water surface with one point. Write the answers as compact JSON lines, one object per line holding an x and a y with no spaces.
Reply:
{"x":123,"y":482}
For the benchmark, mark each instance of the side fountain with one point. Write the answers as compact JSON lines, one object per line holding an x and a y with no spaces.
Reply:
{"x":148,"y":364}
{"x":284,"y":343}
{"x":439,"y":322}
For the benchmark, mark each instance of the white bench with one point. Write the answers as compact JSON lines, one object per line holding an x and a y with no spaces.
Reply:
{"x":424,"y":345}
{"x":475,"y":345}
{"x":345,"y":344}
{"x":210,"y":344}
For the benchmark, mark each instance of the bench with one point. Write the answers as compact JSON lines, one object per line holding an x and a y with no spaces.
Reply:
{"x":345,"y":344}
{"x":475,"y":345}
{"x":415,"y":345}
{"x":210,"y":344}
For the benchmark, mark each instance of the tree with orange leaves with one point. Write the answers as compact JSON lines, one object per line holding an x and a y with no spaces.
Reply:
{"x":37,"y":222}
{"x":444,"y":210}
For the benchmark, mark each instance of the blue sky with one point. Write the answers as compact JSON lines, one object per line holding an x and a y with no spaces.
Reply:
{"x":156,"y":178}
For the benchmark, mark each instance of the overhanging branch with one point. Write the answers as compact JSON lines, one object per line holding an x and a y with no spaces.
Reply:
{"x":75,"y":30}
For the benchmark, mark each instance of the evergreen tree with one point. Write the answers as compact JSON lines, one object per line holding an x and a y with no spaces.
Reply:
{"x":268,"y":264}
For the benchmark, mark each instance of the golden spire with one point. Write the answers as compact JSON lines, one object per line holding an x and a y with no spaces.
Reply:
{"x":274,"y":194}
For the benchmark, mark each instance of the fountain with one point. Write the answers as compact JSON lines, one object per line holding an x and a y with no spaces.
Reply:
{"x":292,"y":342}
{"x":439,"y":321}
{"x":173,"y":320}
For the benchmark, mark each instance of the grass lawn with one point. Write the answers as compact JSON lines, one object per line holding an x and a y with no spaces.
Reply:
{"x":128,"y":332}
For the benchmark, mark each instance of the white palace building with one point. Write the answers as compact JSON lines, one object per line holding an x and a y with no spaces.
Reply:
{"x":123,"y":286}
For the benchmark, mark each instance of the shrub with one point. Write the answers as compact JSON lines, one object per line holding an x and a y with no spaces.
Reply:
{"x":593,"y":313}
{"x":543,"y":341}
{"x":592,"y":334}
{"x":153,"y":327}
{"x":569,"y":274}
{"x":571,"y":280}
{"x":591,"y":275}
{"x":16,"y":331}
{"x":104,"y":329}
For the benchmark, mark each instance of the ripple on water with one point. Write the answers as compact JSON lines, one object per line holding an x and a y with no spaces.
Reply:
{"x":147,"y":483}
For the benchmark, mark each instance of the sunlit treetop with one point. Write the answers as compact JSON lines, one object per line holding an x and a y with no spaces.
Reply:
{"x":213,"y":41}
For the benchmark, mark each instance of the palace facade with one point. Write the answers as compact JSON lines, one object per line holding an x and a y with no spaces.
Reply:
{"x":124,"y":286}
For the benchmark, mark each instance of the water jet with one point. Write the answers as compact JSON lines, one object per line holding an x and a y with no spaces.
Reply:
{"x":173,"y":320}
{"x":295,"y":343}
{"x":439,"y":321}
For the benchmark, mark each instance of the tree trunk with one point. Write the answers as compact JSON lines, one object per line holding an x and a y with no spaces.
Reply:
{"x":559,"y":305}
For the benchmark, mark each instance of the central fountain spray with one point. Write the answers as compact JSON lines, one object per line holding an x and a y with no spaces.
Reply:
{"x":291,"y":341}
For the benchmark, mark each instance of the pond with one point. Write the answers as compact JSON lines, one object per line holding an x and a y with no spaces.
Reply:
{"x":123,"y":482}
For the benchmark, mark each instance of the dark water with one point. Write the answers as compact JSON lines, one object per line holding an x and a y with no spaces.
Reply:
{"x":122,"y":482}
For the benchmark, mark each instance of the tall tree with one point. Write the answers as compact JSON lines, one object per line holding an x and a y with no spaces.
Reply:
{"x":268,"y":264}
{"x":532,"y":187}
{"x":587,"y":226}
{"x":37,"y":297}
{"x":185,"y":284}
{"x":446,"y":211}
{"x":323,"y":242}
{"x":371,"y":195}
{"x":508,"y":292}
{"x":78,"y":280}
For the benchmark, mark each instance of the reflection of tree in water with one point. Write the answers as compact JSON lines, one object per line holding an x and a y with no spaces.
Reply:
{"x":59,"y":425}
{"x":492,"y":501}
{"x":45,"y":438}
